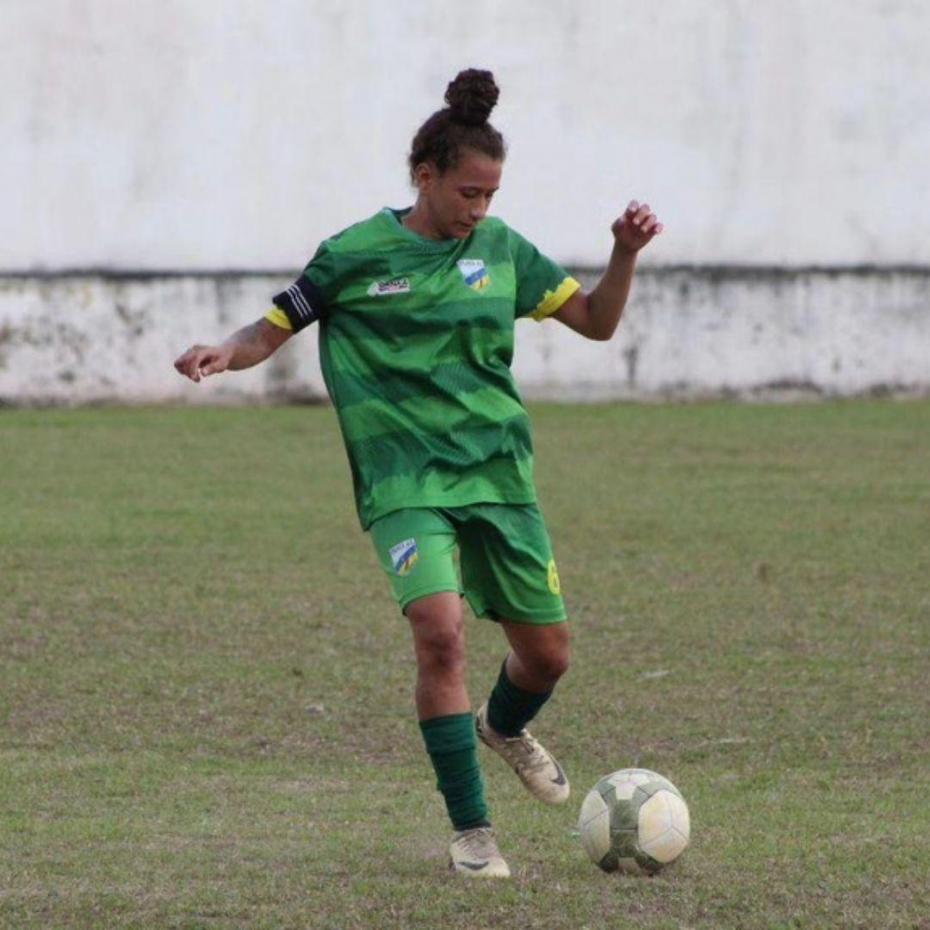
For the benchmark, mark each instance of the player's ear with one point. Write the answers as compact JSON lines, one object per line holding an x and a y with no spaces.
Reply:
{"x":423,"y":176}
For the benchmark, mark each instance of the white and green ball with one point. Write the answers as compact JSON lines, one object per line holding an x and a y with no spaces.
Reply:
{"x":634,"y":820}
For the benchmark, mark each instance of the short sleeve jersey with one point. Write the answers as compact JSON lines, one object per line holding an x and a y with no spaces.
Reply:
{"x":416,"y":342}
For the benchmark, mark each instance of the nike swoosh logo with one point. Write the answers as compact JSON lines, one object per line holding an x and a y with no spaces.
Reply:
{"x":560,"y":780}
{"x":474,"y":866}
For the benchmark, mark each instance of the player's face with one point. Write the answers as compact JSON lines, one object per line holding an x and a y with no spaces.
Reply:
{"x":455,"y":202}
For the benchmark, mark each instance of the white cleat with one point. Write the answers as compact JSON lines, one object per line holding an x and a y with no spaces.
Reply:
{"x":474,"y":853}
{"x":538,"y":770}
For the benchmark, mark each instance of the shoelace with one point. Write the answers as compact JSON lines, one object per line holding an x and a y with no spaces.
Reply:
{"x":476,"y":842}
{"x":529,"y":744}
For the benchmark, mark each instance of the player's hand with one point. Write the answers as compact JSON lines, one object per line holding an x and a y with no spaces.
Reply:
{"x":637,"y":227}
{"x":200,"y":361}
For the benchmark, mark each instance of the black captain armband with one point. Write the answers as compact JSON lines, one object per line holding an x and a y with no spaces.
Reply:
{"x":302,"y":303}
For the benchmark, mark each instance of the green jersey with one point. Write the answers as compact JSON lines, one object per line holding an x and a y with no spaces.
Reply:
{"x":416,"y":341}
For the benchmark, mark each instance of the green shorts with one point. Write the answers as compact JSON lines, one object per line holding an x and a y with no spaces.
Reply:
{"x":507,"y":569}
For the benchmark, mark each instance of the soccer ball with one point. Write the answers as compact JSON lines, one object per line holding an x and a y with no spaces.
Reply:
{"x":634,"y":821}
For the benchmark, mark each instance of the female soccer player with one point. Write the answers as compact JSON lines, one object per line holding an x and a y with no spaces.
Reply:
{"x":416,"y":310}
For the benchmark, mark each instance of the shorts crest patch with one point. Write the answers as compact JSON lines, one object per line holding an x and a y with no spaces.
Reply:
{"x":404,"y":556}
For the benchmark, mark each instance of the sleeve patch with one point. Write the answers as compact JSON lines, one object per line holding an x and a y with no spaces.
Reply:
{"x":552,"y":300}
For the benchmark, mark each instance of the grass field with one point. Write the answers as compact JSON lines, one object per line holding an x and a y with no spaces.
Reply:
{"x":206,"y":701}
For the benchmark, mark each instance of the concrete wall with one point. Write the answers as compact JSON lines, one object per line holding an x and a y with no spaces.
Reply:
{"x":162,"y":162}
{"x":688,"y":332}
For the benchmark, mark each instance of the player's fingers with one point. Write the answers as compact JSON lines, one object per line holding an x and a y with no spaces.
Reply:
{"x":214,"y":362}
{"x":184,"y":367}
{"x":649,"y":224}
{"x":204,"y":361}
{"x":631,"y":209}
{"x":642,"y":214}
{"x":188,"y":361}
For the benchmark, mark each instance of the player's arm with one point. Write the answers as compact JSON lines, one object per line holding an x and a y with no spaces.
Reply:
{"x":243,"y":349}
{"x":596,"y":314}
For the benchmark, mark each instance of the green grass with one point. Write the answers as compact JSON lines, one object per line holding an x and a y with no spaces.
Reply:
{"x":206,"y":713}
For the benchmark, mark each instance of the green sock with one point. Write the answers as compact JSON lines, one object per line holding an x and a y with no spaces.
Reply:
{"x":511,"y":708}
{"x":453,"y":749}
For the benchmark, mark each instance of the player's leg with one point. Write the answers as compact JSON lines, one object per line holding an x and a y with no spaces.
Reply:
{"x":444,"y":709}
{"x":416,"y":549}
{"x":448,"y":728}
{"x":539,"y":656}
{"x":439,"y":647}
{"x":510,"y":577}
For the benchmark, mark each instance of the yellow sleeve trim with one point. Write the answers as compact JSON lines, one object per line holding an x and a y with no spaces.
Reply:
{"x":552,"y":300}
{"x":277,"y":316}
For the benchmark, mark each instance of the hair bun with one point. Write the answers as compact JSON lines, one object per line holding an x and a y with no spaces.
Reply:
{"x":472,"y":96}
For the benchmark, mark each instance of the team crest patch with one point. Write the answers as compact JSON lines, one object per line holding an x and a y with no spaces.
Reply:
{"x":390,"y":286}
{"x":475,"y":274}
{"x":404,"y":556}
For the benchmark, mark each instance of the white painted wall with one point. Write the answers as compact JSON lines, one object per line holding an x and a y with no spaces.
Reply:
{"x":212,"y":134}
{"x":686,"y":333}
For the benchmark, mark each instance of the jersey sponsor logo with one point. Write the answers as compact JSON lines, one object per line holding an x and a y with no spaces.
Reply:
{"x":390,"y":286}
{"x":475,"y":274}
{"x":404,"y":556}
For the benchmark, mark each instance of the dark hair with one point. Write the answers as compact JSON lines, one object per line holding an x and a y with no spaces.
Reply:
{"x":463,"y":124}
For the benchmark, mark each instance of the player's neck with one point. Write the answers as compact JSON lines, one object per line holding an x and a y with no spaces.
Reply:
{"x":418,"y":221}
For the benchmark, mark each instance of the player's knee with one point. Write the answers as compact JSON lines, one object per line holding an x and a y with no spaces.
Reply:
{"x":440,"y":640}
{"x":443,"y":652}
{"x":553,"y":664}
{"x":551,"y":656}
